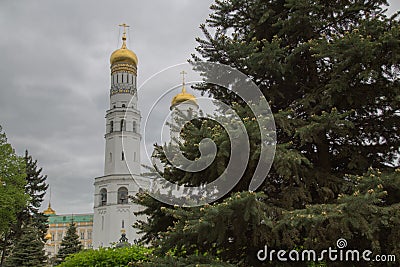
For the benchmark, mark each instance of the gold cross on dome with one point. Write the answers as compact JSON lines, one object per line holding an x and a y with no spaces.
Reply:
{"x":125,"y":26}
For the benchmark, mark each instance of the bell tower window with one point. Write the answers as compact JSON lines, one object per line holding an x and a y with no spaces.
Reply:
{"x":122,"y":126}
{"x":103,"y":197}
{"x":111,"y":126}
{"x":134,"y":126}
{"x":122,"y":195}
{"x":122,"y":155}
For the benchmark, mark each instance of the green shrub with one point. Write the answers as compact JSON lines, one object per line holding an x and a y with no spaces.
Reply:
{"x":189,"y":261}
{"x":105,"y":257}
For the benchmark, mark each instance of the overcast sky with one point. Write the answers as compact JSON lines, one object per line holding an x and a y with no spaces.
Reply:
{"x":54,"y":78}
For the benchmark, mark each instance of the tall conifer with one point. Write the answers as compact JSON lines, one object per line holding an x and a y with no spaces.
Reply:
{"x":330,"y":72}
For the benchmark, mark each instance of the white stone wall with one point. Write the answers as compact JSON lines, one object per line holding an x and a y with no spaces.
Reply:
{"x":107,"y":220}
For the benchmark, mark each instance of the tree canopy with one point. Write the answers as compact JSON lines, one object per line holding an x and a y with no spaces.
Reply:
{"x":70,"y":244}
{"x":29,"y":249}
{"x":12,"y":191}
{"x":330,"y":72}
{"x":12,"y":184}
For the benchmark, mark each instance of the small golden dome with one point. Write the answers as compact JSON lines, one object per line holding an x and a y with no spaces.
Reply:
{"x":49,"y":210}
{"x":123,"y":55}
{"x":48,"y":236}
{"x":183,"y":96}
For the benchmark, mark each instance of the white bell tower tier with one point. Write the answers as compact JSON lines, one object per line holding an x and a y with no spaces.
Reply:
{"x":113,"y":211}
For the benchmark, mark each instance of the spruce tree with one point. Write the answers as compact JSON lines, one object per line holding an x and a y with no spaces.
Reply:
{"x":236,"y":229}
{"x":330,"y":72}
{"x":70,"y":243}
{"x":29,"y":249}
{"x":36,"y":188}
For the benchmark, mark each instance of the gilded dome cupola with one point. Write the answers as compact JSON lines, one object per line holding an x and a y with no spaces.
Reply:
{"x":183,"y":96}
{"x":123,"y":55}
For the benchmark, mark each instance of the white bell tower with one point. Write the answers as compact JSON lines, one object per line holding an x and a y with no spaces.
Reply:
{"x":113,"y":212}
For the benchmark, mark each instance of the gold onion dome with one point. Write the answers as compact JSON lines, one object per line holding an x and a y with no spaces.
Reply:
{"x":49,"y":210}
{"x":48,"y":236}
{"x":183,"y":95}
{"x":123,"y":55}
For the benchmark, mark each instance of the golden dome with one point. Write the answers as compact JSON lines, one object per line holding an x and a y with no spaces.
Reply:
{"x":48,"y":236}
{"x":49,"y":210}
{"x":182,"y":97}
{"x":123,"y":55}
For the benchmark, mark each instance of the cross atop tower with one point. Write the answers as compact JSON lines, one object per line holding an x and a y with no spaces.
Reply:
{"x":125,"y":26}
{"x":124,"y":34}
{"x":183,"y":81}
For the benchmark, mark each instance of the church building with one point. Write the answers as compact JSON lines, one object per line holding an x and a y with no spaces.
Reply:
{"x":113,"y":212}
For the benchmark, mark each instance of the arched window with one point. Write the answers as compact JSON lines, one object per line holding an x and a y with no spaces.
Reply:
{"x":122,"y":155}
{"x":111,"y":126}
{"x":103,"y":197}
{"x":134,"y":126}
{"x":122,"y":195}
{"x":123,"y":224}
{"x":110,"y":157}
{"x":122,"y":126}
{"x":123,"y":105}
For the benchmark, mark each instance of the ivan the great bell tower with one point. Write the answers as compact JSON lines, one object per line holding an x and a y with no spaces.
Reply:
{"x":113,"y":213}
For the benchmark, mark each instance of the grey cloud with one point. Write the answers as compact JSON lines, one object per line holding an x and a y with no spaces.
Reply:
{"x":54,"y":78}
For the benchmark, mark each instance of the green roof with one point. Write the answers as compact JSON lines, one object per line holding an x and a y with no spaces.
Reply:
{"x":78,"y":218}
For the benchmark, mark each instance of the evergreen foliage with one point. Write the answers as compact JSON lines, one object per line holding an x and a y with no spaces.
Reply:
{"x":12,"y":179}
{"x":70,"y":243}
{"x":107,"y":257}
{"x":28,"y":250}
{"x":190,"y":261}
{"x":243,"y":223}
{"x":12,"y":193}
{"x":36,"y":189}
{"x":330,"y":72}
